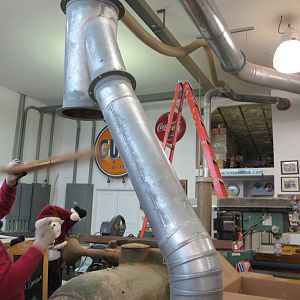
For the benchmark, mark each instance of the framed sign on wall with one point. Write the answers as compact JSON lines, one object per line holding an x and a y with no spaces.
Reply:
{"x":290,"y":184}
{"x":289,"y":167}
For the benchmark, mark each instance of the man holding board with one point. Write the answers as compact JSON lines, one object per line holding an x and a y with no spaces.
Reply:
{"x":13,"y":275}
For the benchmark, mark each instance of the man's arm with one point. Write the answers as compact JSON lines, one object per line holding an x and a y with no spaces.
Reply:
{"x":7,"y":198}
{"x":13,"y":275}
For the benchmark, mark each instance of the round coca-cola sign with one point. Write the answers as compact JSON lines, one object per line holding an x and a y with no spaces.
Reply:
{"x":161,"y":126}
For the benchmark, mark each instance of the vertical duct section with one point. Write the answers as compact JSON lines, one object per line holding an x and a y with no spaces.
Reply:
{"x":192,"y":261}
{"x":77,"y":103}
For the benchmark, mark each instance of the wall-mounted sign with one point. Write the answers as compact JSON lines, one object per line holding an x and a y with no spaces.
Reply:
{"x":161,"y":126}
{"x":107,"y":155}
{"x":241,"y":172}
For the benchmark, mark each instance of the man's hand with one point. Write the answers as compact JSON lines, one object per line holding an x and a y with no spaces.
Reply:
{"x":12,"y":179}
{"x":44,"y":236}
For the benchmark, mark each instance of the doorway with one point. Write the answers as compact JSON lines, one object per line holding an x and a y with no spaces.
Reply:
{"x":119,"y":202}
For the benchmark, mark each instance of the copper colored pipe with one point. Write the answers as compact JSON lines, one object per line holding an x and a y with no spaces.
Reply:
{"x":212,"y":67}
{"x":47,"y":162}
{"x":135,"y":27}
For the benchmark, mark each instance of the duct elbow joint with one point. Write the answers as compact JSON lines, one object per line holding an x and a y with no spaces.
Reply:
{"x":102,"y":52}
{"x":283,"y":104}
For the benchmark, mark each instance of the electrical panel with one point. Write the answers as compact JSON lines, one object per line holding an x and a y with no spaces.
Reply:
{"x":80,"y":194}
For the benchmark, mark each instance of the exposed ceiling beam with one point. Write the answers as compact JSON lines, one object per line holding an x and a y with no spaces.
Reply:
{"x":151,"y":19}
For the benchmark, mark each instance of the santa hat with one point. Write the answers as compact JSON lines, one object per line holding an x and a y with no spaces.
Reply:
{"x":53,"y":213}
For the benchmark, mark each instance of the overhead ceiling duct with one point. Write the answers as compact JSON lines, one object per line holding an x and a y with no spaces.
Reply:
{"x":211,"y":25}
{"x":193,"y":266}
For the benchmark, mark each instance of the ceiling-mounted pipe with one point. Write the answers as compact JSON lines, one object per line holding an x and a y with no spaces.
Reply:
{"x":23,"y":128}
{"x":207,"y":121}
{"x":38,"y":144}
{"x":211,"y":25}
{"x":191,"y":258}
{"x":281,"y":103}
{"x":145,"y":12}
{"x":135,"y":27}
{"x":21,"y":107}
{"x":77,"y":140}
{"x":50,"y":144}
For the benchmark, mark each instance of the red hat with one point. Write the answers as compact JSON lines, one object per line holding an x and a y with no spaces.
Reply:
{"x":53,"y":213}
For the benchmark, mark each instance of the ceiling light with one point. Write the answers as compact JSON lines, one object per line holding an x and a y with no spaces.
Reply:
{"x":287,"y":55}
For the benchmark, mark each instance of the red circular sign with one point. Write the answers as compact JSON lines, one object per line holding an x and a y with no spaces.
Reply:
{"x":161,"y":126}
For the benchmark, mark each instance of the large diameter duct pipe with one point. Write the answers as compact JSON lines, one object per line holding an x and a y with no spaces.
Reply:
{"x":192,"y":262}
{"x":212,"y":26}
{"x":208,"y":20}
{"x":77,"y":104}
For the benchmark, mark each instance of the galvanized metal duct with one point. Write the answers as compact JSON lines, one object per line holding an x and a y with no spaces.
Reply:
{"x":77,"y":104}
{"x":211,"y":25}
{"x":192,"y":261}
{"x":281,"y":103}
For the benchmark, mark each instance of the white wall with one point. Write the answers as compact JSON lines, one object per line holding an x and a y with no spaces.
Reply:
{"x":8,"y":116}
{"x":9,"y":101}
{"x":286,"y":136}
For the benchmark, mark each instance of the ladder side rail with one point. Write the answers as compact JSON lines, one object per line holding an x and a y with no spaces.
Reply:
{"x":171,"y":115}
{"x":179,"y":115}
{"x":205,"y":143}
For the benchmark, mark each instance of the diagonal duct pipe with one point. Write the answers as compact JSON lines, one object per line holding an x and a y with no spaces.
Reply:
{"x":211,"y":25}
{"x":194,"y":270}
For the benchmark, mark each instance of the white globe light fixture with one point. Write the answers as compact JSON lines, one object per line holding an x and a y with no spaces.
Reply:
{"x":287,"y":55}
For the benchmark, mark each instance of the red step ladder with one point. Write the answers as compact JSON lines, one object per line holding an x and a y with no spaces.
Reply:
{"x":184,"y":90}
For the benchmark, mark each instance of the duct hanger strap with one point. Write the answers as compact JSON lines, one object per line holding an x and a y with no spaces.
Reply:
{"x":106,"y":74}
{"x":120,"y":6}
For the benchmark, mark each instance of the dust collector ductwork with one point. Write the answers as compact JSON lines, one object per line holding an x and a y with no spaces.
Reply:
{"x":77,"y":104}
{"x":193,"y":266}
{"x":211,"y":25}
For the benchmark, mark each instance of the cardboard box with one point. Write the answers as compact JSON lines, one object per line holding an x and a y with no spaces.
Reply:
{"x":250,"y":286}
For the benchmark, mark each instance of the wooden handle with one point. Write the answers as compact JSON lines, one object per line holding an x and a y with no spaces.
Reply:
{"x":44,"y":163}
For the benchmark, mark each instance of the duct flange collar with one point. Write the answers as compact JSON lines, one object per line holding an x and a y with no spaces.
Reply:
{"x":120,"y":6}
{"x":109,"y":73}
